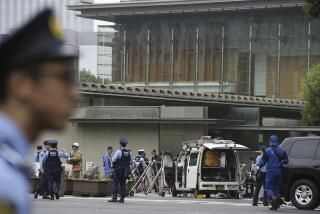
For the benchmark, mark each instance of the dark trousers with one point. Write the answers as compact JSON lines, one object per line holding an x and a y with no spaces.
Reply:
{"x":119,"y":180}
{"x":43,"y":183}
{"x":259,"y":183}
{"x":54,"y":177}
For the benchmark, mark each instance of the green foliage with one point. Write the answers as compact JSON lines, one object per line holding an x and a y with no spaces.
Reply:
{"x":311,"y":94}
{"x":87,"y":76}
{"x":312,"y":7}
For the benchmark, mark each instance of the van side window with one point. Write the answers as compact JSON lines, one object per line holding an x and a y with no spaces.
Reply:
{"x":303,"y":149}
{"x":193,"y":159}
{"x":317,"y":157}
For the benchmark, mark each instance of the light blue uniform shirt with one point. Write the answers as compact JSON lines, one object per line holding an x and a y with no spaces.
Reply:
{"x":61,"y":155}
{"x":107,"y":164}
{"x":118,"y":156}
{"x":15,"y":154}
{"x":258,"y":162}
{"x":42,"y":155}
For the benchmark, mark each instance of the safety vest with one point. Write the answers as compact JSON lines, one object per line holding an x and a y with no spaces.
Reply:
{"x":53,"y":159}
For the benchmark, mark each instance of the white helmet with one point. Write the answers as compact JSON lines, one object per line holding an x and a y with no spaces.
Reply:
{"x":75,"y":144}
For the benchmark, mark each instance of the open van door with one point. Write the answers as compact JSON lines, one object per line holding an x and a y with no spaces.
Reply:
{"x":192,"y":170}
{"x":168,"y":170}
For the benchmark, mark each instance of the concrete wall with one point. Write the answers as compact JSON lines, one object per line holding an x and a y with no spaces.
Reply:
{"x":94,"y":138}
{"x":172,"y":136}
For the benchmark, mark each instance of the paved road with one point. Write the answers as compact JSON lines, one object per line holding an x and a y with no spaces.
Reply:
{"x":153,"y":204}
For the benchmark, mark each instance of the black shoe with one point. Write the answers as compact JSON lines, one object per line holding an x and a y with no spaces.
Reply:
{"x":45,"y":197}
{"x":265,"y":204}
{"x":274,"y":204}
{"x":121,"y":200}
{"x":114,"y":199}
{"x":254,"y":204}
{"x":52,"y":196}
{"x":35,"y":196}
{"x":57,"y":195}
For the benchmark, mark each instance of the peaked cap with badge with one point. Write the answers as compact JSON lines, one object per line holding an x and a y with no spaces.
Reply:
{"x":40,"y":40}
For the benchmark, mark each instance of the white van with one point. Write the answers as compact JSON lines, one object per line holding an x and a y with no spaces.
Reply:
{"x":207,"y":166}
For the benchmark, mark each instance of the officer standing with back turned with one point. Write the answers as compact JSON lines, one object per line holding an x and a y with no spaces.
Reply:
{"x":121,"y":162}
{"x":274,"y":156}
{"x":52,"y":165}
{"x":37,"y":93}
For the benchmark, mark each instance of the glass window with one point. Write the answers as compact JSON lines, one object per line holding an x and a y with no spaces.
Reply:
{"x":303,"y":149}
{"x":193,"y":159}
{"x":317,"y":157}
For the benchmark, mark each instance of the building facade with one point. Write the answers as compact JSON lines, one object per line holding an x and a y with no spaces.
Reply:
{"x":248,"y":47}
{"x":105,"y":37}
{"x":13,"y":13}
{"x":78,"y":31}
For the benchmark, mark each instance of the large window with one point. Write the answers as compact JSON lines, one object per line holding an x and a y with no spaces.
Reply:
{"x":193,"y":159}
{"x":261,"y":54}
{"x":303,"y":149}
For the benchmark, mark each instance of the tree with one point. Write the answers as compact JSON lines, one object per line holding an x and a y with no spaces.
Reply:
{"x":311,"y":95}
{"x":312,"y":7}
{"x":87,"y":76}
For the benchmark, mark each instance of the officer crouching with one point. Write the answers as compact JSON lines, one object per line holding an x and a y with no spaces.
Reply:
{"x":121,"y":162}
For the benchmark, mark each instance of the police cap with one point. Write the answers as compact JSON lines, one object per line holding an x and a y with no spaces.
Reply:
{"x":40,"y":40}
{"x":39,"y":147}
{"x":123,"y":141}
{"x":52,"y":142}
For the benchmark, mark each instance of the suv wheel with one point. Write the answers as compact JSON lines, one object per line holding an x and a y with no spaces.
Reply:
{"x":304,"y":195}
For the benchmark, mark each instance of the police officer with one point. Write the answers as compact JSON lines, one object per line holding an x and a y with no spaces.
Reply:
{"x":52,"y":165}
{"x":141,"y":161}
{"x":37,"y":154}
{"x":121,"y":162}
{"x":274,"y":157}
{"x":107,"y":163}
{"x":36,"y":94}
{"x":260,"y":182}
{"x":43,"y":186}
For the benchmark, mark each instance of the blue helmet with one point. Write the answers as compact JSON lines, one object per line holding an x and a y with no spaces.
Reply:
{"x":274,"y":140}
{"x":123,"y":141}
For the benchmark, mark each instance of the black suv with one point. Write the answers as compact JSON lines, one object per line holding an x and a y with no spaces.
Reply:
{"x":302,"y":174}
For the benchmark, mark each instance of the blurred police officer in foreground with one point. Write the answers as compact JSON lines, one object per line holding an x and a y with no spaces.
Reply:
{"x":121,"y":162}
{"x":36,"y":94}
{"x":274,"y":157}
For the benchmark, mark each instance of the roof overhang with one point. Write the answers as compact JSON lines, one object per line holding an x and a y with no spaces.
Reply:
{"x":92,"y":89}
{"x":111,"y":12}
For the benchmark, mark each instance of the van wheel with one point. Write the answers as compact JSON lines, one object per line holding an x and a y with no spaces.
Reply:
{"x":174,"y":192}
{"x":304,"y":195}
{"x":234,"y":194}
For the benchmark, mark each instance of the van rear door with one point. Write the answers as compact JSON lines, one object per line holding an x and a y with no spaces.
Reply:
{"x":168,"y":170}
